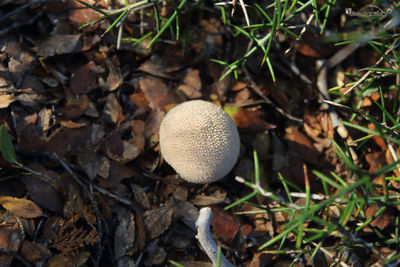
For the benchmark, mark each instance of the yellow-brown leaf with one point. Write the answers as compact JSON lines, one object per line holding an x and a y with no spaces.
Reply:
{"x":21,"y":207}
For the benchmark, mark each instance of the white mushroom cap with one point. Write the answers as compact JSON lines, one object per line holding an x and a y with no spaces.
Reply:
{"x":200,"y":141}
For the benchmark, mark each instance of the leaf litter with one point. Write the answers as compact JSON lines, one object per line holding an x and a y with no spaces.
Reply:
{"x":84,"y":120}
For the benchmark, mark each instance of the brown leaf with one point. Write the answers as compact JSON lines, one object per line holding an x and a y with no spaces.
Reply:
{"x":191,"y":84}
{"x":80,"y":15}
{"x":243,"y":95}
{"x":6,"y":100}
{"x":113,"y":110}
{"x":20,"y":58}
{"x":302,"y":145}
{"x":311,"y":46}
{"x":158,"y":221}
{"x":381,"y":221}
{"x":152,"y":126}
{"x":72,"y":124}
{"x":224,"y":225}
{"x":75,"y":107}
{"x":114,"y":78}
{"x":83,"y":79}
{"x":29,"y":138}
{"x":124,"y":234}
{"x":21,"y":207}
{"x":250,"y":120}
{"x":216,"y":197}
{"x":67,"y":236}
{"x":34,"y":251}
{"x":378,"y":140}
{"x":44,"y":119}
{"x":164,"y":66}
{"x":137,"y":133}
{"x":121,"y":150}
{"x":141,"y":196}
{"x":59,"y":44}
{"x":67,"y":140}
{"x":89,"y":161}
{"x":31,"y":100}
{"x":46,"y":195}
{"x":156,"y":255}
{"x":10,"y":238}
{"x":140,"y":100}
{"x":116,"y":174}
{"x":376,"y":160}
{"x":75,"y":205}
{"x":157,"y":93}
{"x":61,"y":260}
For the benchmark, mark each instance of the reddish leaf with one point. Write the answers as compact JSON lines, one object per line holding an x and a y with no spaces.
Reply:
{"x":381,"y":221}
{"x":157,"y":93}
{"x":83,"y":79}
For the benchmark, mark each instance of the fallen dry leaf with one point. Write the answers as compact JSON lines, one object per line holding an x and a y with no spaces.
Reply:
{"x":33,"y":252}
{"x":302,"y":145}
{"x":157,"y":221}
{"x":61,"y":260}
{"x":381,"y":221}
{"x":140,"y":196}
{"x":156,"y":255}
{"x":124,"y":233}
{"x":59,"y":44}
{"x":10,"y":238}
{"x":80,"y":15}
{"x":311,"y":46}
{"x":21,"y":207}
{"x":250,"y":120}
{"x":6,"y":100}
{"x":164,"y":65}
{"x":121,"y":150}
{"x":216,"y":197}
{"x":191,"y":84}
{"x":67,"y":140}
{"x":114,"y":78}
{"x":157,"y":93}
{"x":44,"y":193}
{"x":152,"y":126}
{"x":113,"y":110}
{"x":75,"y":107}
{"x":90,"y":162}
{"x":83,"y":79}
{"x":117,"y":172}
{"x":225,"y":226}
{"x":29,"y":138}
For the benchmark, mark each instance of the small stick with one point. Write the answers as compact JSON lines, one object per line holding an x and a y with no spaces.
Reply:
{"x":206,"y":240}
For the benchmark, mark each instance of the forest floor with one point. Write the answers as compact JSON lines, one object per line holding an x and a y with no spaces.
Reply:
{"x":82,"y":108}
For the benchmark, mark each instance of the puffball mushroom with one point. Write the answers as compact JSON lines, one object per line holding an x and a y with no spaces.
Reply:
{"x":200,"y":141}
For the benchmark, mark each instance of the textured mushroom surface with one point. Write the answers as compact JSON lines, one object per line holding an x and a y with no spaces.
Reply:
{"x":200,"y":141}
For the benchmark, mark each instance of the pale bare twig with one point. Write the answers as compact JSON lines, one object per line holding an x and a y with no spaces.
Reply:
{"x":206,"y":240}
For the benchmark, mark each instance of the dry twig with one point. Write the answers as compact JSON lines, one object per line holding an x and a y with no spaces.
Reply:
{"x":206,"y":240}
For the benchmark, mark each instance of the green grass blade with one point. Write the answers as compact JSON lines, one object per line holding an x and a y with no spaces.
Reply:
{"x":6,"y":147}
{"x":167,"y":24}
